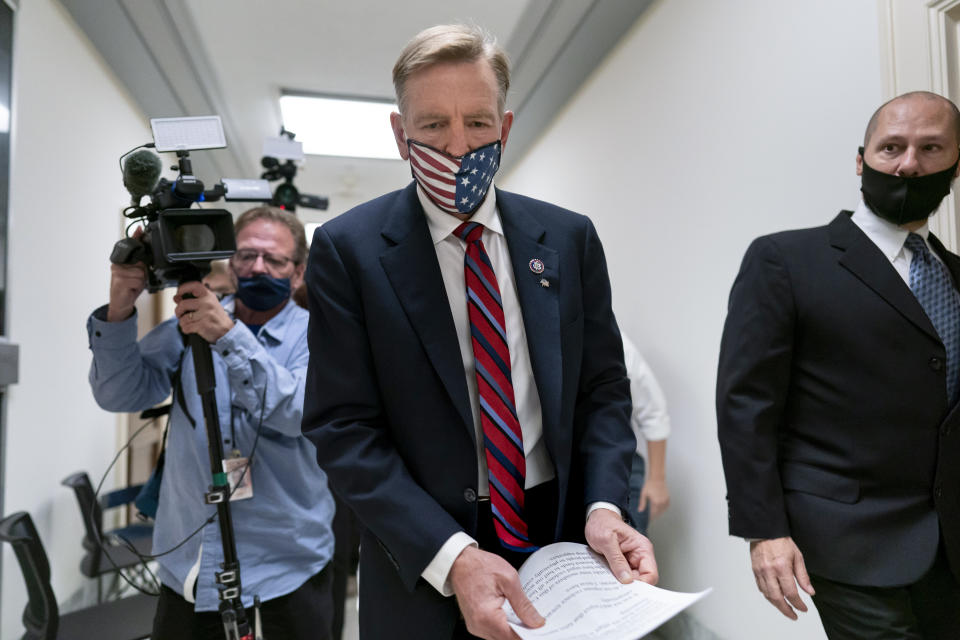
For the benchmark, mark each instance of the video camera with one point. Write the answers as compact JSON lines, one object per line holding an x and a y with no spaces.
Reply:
{"x":179,"y":243}
{"x":281,"y":157}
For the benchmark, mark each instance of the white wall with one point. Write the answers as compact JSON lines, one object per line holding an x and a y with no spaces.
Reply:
{"x":712,"y":123}
{"x":71,"y":123}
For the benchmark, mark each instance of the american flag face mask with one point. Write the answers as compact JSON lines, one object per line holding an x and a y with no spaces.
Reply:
{"x":456,"y":184}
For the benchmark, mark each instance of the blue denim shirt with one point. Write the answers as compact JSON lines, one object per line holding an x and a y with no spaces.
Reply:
{"x":283,"y":534}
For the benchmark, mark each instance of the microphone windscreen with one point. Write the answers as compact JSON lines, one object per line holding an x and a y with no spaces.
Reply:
{"x":141,"y":172}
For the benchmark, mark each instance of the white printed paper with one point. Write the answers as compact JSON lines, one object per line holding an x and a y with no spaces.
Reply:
{"x":572,"y":587}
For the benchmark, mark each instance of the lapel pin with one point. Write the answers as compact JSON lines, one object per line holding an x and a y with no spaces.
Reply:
{"x":536,"y":265}
{"x":544,"y":283}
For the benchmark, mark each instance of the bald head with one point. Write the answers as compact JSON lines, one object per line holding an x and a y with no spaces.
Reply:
{"x":920,"y":96}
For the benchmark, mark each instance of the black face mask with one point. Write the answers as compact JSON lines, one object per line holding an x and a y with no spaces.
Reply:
{"x":901,"y":200}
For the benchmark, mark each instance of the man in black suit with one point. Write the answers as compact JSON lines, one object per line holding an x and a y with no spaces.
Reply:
{"x":448,"y":314}
{"x":837,"y":396}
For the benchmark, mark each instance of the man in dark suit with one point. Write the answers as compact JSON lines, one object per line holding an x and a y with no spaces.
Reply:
{"x":406,"y":376}
{"x":837,"y":396}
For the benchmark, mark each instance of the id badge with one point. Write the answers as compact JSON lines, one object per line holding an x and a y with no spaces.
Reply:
{"x":234,"y":468}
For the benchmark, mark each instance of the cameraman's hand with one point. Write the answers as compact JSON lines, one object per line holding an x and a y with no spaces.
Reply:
{"x":202,"y":313}
{"x":127,"y":281}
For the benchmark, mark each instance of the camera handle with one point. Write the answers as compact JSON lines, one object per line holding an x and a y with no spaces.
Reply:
{"x":232,"y":614}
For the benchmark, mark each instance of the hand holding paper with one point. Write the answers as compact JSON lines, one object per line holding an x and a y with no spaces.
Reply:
{"x":484,"y":583}
{"x":574,"y":589}
{"x":627,"y":551}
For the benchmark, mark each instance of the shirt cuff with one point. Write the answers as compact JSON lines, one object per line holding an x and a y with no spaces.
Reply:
{"x":655,"y":428}
{"x":110,"y":334}
{"x":237,"y":345}
{"x":437,"y":573}
{"x":604,"y":505}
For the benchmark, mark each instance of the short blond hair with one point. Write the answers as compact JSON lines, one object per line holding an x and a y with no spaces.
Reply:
{"x":451,"y":43}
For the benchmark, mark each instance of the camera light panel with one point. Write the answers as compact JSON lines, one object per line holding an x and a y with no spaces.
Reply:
{"x":283,"y":148}
{"x":187,"y":134}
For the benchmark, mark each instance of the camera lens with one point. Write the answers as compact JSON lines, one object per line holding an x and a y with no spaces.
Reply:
{"x":194,"y":237}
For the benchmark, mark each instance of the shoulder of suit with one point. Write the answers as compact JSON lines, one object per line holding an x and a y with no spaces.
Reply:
{"x":798,"y":237}
{"x":371,"y":211}
{"x":545,"y":212}
{"x":355,"y":228}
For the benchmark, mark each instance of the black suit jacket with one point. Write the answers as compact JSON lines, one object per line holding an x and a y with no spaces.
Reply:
{"x":832,"y":409}
{"x":386,"y":393}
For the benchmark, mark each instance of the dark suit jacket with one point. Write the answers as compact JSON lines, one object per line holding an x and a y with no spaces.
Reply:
{"x":386,"y":392}
{"x":832,"y":409}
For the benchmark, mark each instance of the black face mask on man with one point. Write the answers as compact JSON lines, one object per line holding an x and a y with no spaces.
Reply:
{"x":901,"y":200}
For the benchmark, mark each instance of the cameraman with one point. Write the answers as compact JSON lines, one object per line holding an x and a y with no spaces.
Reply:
{"x":258,"y":339}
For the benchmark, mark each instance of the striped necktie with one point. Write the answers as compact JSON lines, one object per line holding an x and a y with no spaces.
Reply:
{"x":503,"y":440}
{"x":931,"y":283}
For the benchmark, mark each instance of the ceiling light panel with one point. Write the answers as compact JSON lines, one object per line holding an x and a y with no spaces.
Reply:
{"x":331,"y":126}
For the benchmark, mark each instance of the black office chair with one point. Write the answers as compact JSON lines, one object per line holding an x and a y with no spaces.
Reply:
{"x":126,"y":619}
{"x":110,"y":555}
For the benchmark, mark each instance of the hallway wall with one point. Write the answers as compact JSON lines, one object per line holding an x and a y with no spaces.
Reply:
{"x":712,"y":123}
{"x":72,"y":121}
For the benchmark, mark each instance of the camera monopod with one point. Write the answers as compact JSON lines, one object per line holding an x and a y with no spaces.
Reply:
{"x":178,"y":246}
{"x":232,"y":614}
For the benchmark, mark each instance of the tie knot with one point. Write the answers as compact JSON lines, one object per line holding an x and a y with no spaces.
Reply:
{"x":916,"y":244}
{"x":469,"y":231}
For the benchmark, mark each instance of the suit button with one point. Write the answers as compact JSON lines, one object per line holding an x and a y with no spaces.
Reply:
{"x":938,"y":492}
{"x":945,"y":430}
{"x":469,"y":495}
{"x":936,"y":363}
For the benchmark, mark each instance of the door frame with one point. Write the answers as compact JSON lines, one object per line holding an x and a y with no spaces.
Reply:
{"x":920,"y":51}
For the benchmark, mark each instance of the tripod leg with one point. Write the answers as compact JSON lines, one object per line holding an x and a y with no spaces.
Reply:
{"x":257,"y":628}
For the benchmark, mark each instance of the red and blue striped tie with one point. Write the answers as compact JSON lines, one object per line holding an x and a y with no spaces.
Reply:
{"x":498,"y":414}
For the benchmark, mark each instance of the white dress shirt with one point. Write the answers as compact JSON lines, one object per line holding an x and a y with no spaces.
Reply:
{"x":889,"y":238}
{"x":450,"y":254}
{"x":649,"y":418}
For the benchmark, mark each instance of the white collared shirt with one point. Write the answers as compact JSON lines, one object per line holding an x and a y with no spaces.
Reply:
{"x":889,"y":238}
{"x":649,"y":417}
{"x":450,"y":254}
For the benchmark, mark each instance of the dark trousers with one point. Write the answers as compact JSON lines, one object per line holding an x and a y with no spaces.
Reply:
{"x":347,"y":532}
{"x":641,"y":519}
{"x":928,"y":609}
{"x":304,"y":614}
{"x":540,"y":504}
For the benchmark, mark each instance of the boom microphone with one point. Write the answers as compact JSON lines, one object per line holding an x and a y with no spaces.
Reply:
{"x":141,"y":172}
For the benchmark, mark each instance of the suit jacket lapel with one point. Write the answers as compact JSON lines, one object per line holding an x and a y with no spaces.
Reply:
{"x":949,"y":259}
{"x":862,"y":258}
{"x":412,"y":268}
{"x":953,"y":266}
{"x":539,"y":303}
